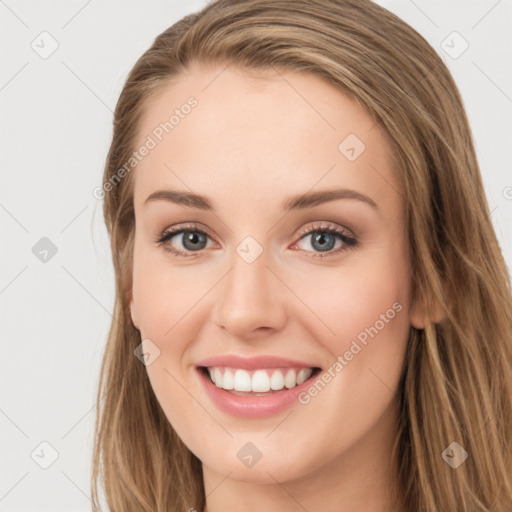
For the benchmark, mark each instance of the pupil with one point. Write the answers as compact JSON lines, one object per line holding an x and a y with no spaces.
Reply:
{"x":321,"y":240}
{"x":191,"y":239}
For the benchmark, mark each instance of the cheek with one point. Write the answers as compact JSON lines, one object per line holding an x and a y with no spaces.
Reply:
{"x":361,"y":317}
{"x":165,"y":300}
{"x":171,"y":306}
{"x":163,"y":296}
{"x":341,"y":304}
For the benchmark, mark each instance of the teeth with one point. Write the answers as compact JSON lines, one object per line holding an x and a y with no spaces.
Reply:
{"x":303,"y":375}
{"x":261,"y":381}
{"x":290,"y":379}
{"x":277,"y":381}
{"x":242,"y":381}
{"x":229,"y":380}
{"x":218,"y":377}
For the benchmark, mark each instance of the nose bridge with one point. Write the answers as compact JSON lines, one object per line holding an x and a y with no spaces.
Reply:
{"x":247,"y":299}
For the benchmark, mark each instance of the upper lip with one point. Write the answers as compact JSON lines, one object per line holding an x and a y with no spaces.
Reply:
{"x":252,"y":363}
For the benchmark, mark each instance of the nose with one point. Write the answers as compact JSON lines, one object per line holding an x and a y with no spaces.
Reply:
{"x":251,"y":300}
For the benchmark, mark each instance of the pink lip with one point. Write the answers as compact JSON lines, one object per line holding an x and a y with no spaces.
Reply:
{"x":252,"y":363}
{"x":252,"y":406}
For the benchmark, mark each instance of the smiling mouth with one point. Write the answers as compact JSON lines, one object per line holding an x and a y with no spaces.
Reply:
{"x":258,"y":382}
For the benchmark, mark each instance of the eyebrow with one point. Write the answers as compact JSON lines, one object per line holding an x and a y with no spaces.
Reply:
{"x":298,"y":202}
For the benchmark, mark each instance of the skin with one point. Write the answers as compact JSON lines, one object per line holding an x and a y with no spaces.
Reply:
{"x":250,"y":143}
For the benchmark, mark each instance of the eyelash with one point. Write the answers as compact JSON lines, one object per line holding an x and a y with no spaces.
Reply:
{"x":349,"y":242}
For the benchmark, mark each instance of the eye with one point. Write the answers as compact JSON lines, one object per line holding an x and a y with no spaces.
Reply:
{"x":323,"y":238}
{"x":191,"y":238}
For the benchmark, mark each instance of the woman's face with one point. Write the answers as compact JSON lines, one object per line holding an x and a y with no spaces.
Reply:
{"x":321,"y":282}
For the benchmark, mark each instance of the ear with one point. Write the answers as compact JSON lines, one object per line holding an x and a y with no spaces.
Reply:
{"x":421,"y":316}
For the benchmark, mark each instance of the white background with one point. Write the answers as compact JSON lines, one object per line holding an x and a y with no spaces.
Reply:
{"x":55,"y":133}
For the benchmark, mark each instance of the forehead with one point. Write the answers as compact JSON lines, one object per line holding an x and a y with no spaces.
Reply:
{"x":218,"y":129}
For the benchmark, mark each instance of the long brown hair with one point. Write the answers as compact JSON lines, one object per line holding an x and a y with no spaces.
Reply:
{"x":456,"y":384}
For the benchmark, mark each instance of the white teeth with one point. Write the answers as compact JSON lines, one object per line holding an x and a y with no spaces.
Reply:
{"x":277,"y":381}
{"x":304,"y":374}
{"x":242,"y":381}
{"x":290,"y":379}
{"x":229,"y":380}
{"x":218,"y":377}
{"x":261,"y":381}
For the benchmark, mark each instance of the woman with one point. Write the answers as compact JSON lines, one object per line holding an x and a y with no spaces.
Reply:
{"x":312,"y":310}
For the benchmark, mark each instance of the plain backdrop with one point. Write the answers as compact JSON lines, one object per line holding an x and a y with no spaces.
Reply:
{"x":63,"y":65}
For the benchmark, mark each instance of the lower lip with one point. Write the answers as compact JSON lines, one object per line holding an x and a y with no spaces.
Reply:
{"x":252,"y":406}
